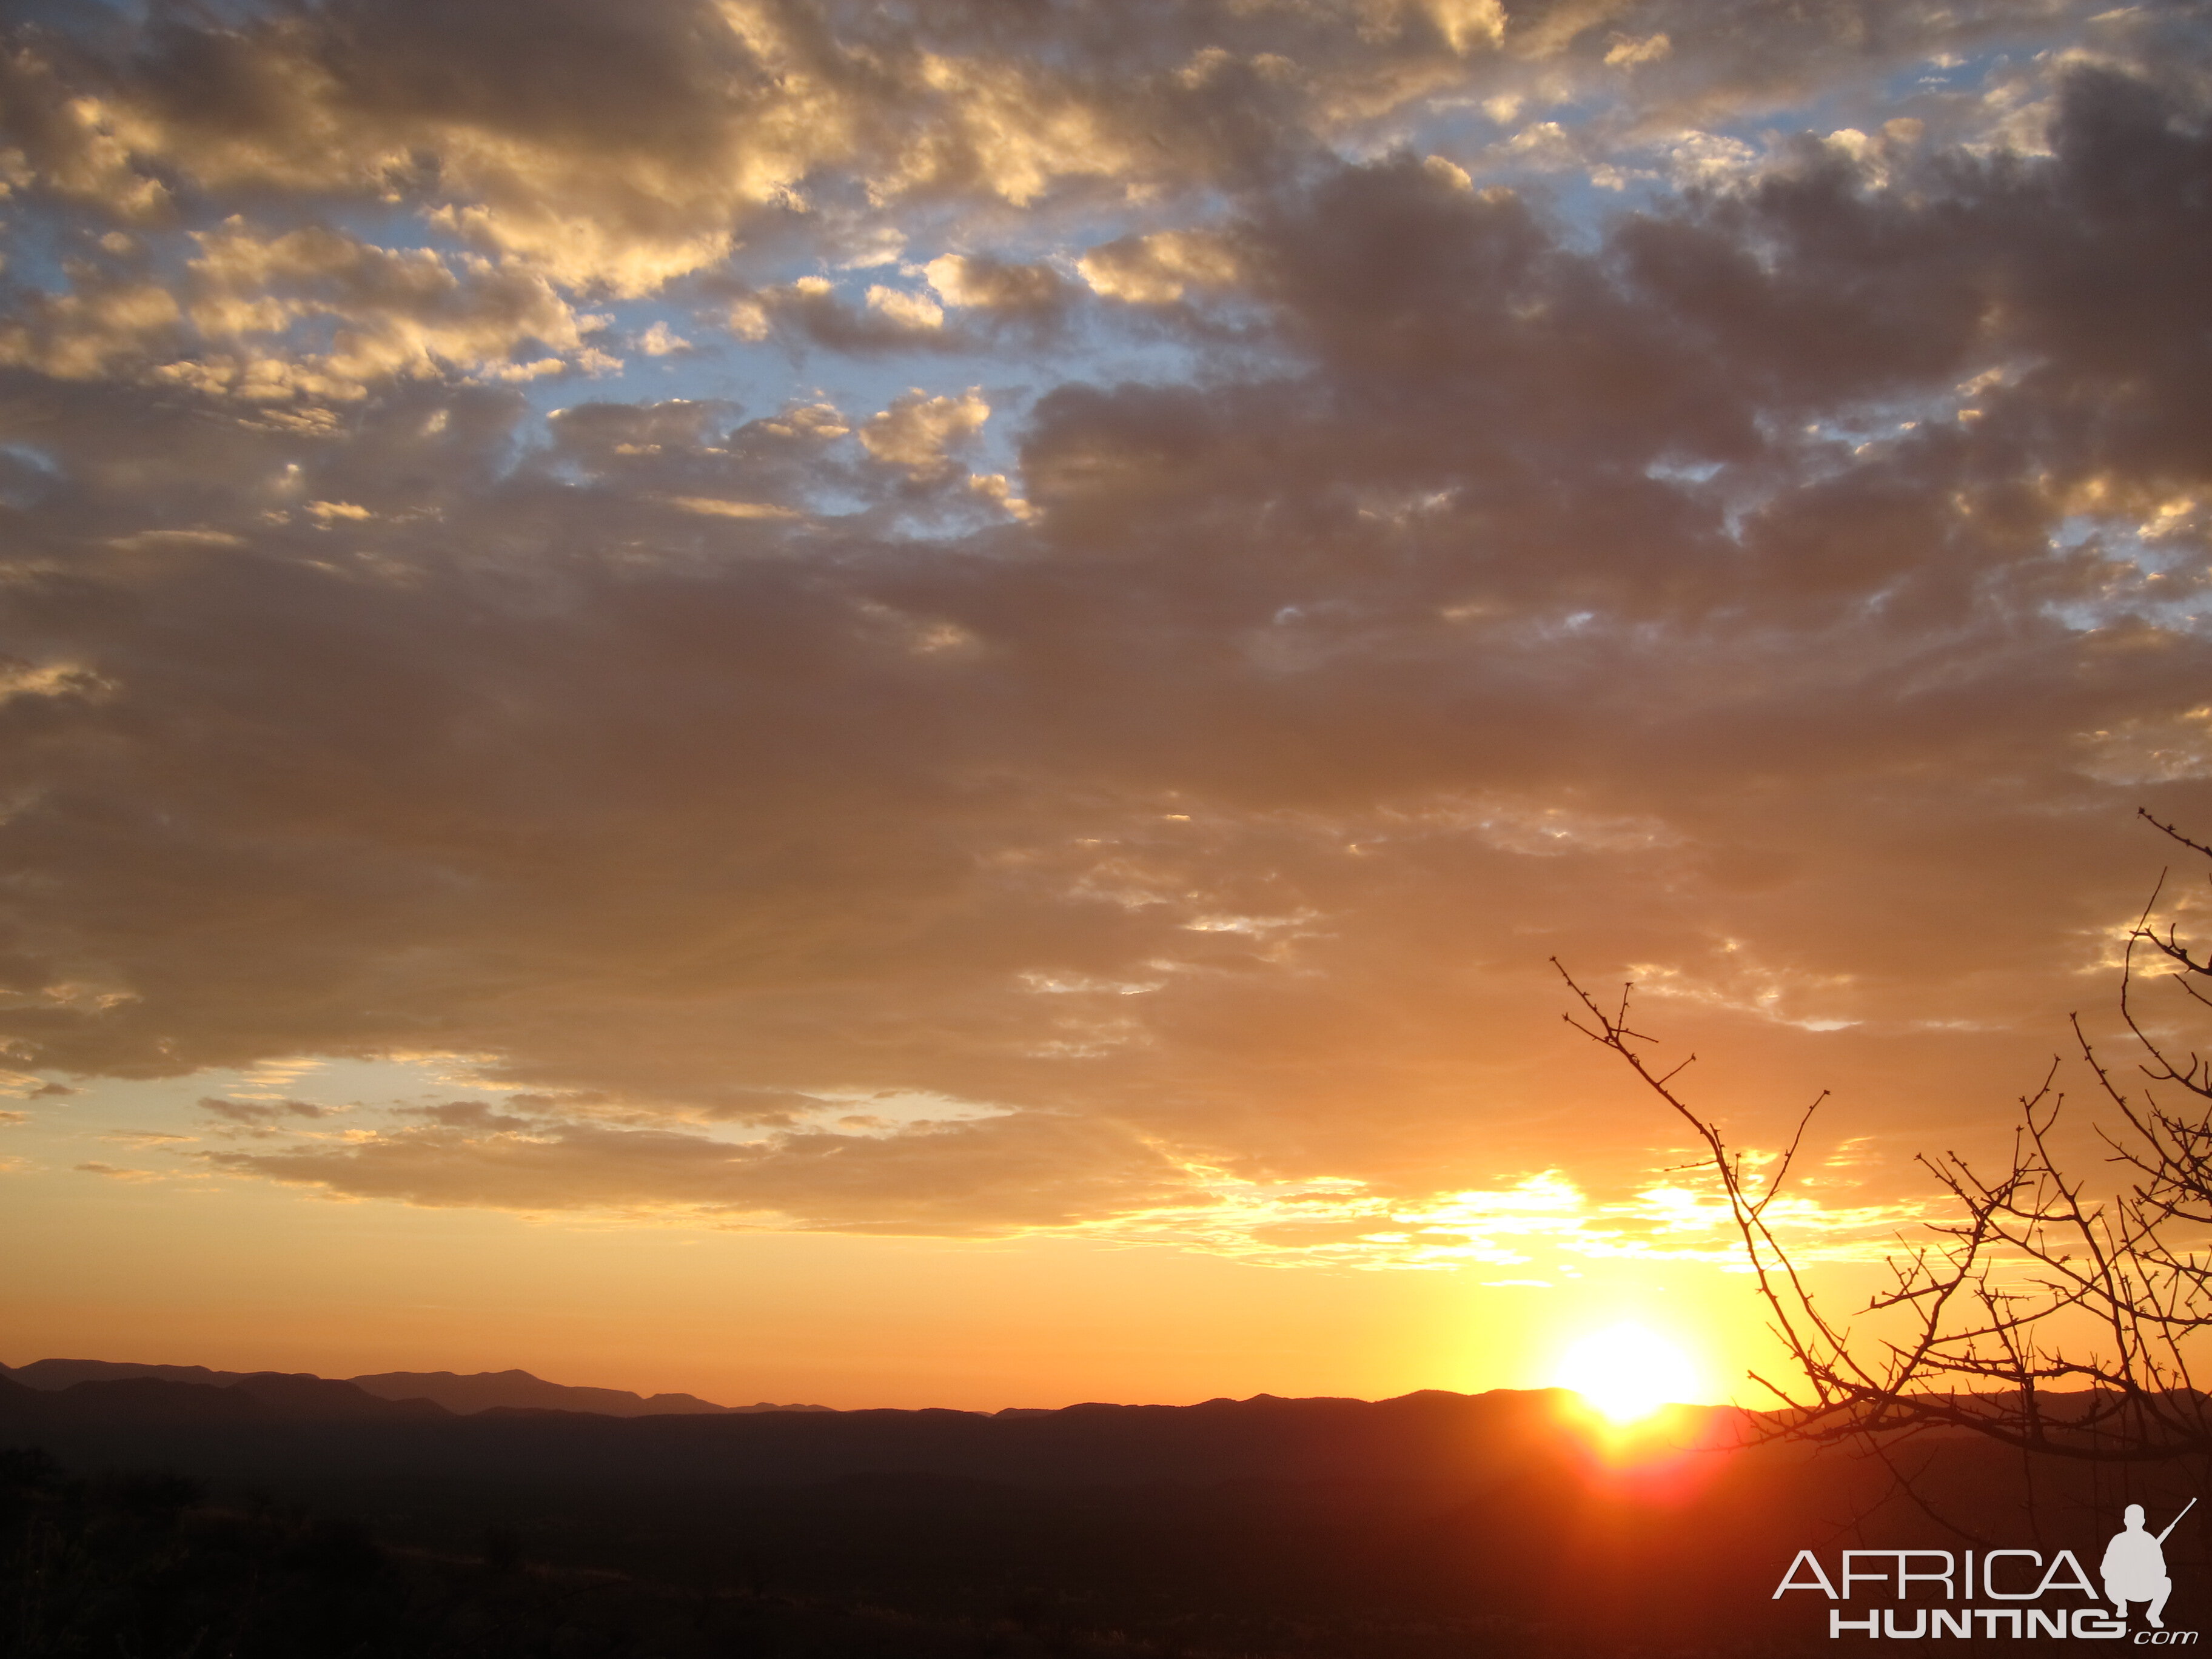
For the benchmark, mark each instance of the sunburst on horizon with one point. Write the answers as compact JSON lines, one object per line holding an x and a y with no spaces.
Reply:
{"x":1625,"y":1372}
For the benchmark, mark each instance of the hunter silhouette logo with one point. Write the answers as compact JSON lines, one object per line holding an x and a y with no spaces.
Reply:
{"x":2133,"y":1571}
{"x":2135,"y":1565}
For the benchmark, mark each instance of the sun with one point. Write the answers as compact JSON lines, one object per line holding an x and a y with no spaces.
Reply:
{"x":1627,"y":1372}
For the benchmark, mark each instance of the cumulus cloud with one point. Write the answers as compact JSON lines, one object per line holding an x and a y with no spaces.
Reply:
{"x":1155,"y":270}
{"x":979,"y":280}
{"x":626,"y":150}
{"x":82,"y":335}
{"x":811,"y":310}
{"x":918,"y":432}
{"x":408,"y":313}
{"x":913,"y":311}
{"x":1364,"y":577}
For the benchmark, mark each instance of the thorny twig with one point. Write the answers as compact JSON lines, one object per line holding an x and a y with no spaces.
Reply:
{"x":1996,"y":1304}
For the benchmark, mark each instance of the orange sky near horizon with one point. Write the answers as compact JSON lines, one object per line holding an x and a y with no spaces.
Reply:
{"x":806,"y":701}
{"x":740,"y":1318}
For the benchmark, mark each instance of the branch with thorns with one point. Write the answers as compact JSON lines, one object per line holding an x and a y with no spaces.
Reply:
{"x":1988,"y":1299}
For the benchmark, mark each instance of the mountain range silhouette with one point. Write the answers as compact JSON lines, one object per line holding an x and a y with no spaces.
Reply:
{"x":1433,"y":1526}
{"x":297,"y":1394}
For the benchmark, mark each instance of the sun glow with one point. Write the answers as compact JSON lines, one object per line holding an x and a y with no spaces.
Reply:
{"x":1627,"y":1372}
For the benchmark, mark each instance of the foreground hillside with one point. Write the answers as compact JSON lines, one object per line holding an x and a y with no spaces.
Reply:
{"x":1436,"y":1524}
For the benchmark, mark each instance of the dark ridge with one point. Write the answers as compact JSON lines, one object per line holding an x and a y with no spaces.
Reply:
{"x":131,"y":1401}
{"x":308,"y":1399}
{"x":311,"y":1425}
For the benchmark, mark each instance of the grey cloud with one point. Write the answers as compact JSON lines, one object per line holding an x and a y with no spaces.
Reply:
{"x":468,"y":1115}
{"x":260,"y":1112}
{"x":1032,"y":291}
{"x":890,"y":319}
{"x":1031,"y":1171}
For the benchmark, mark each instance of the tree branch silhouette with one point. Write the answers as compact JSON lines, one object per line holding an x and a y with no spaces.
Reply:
{"x":2042,"y":1315}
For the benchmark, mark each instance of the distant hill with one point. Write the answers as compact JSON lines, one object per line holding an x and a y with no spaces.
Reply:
{"x":482,"y":1391}
{"x":60,"y":1373}
{"x":460,"y":1394}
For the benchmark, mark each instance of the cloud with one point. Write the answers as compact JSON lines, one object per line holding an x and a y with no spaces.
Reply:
{"x":1627,"y":53}
{"x":1155,"y":270}
{"x":409,"y":313}
{"x":979,"y":280}
{"x":912,"y":311}
{"x":260,"y":1112}
{"x":811,"y":310}
{"x":1362,"y":579}
{"x":621,"y":152}
{"x":715,"y":508}
{"x":83,"y":334}
{"x":1028,"y":1170}
{"x":918,"y":432}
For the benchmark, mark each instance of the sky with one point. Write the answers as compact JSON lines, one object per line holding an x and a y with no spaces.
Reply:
{"x":899,"y":704}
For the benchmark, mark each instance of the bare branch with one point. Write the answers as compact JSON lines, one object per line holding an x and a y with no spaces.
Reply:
{"x":2038,"y":1314}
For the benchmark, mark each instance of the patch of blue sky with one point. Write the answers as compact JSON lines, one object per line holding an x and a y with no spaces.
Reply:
{"x":158,"y":1122}
{"x":1555,"y":173}
{"x":1942,"y":79}
{"x":1941,"y":73}
{"x":1691,"y":473}
{"x":1584,"y":180}
{"x":1859,"y":426}
{"x":39,"y":234}
{"x":37,"y":240}
{"x":1823,"y":448}
{"x":2159,"y":579}
{"x":1852,"y":432}
{"x":1973,"y":73}
{"x":400,"y":226}
{"x":757,"y":379}
{"x":32,"y":456}
{"x":2129,"y":540}
{"x":1108,"y":346}
{"x":83,"y":17}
